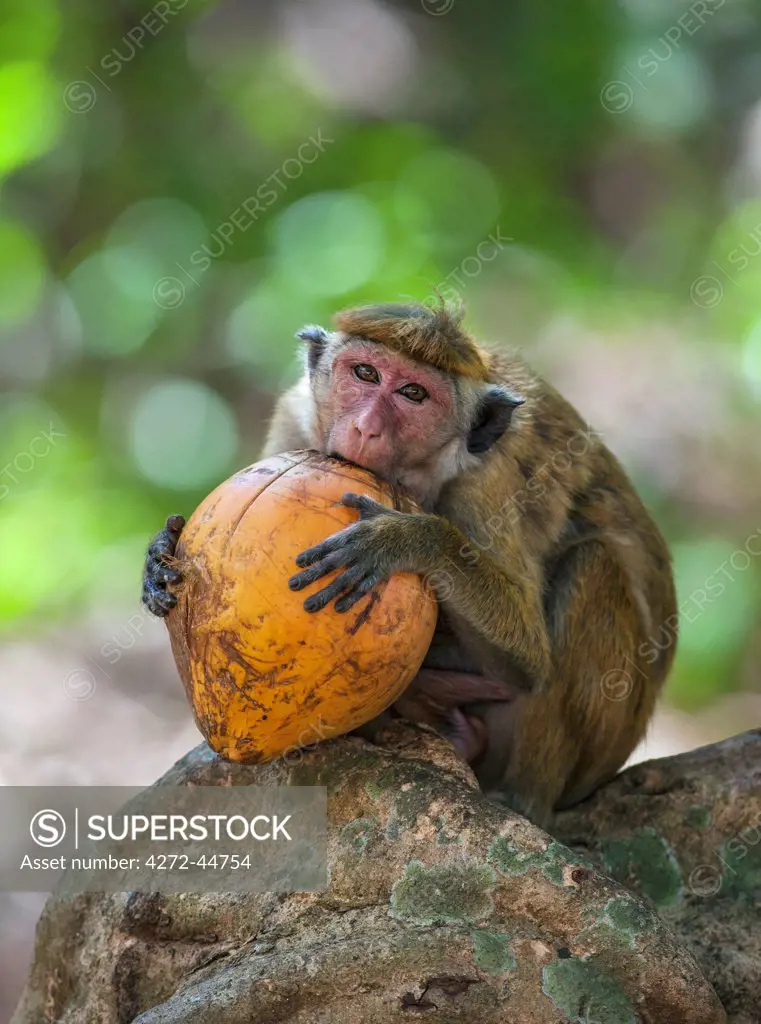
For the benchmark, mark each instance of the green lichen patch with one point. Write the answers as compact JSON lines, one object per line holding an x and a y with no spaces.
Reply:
{"x":410,"y":803}
{"x":359,"y":833}
{"x":630,"y":917}
{"x":443,"y":893}
{"x":334,"y":773}
{"x":509,"y":860}
{"x":582,"y":991}
{"x":645,"y":860}
{"x":620,"y":925}
{"x":491,"y":951}
{"x":444,"y":835}
{"x":383,"y":782}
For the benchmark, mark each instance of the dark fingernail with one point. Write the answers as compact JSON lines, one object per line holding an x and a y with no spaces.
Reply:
{"x":310,"y":605}
{"x":294,"y":583}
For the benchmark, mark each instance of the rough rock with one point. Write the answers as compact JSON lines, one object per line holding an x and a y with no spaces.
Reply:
{"x":440,"y":904}
{"x":685,"y":832}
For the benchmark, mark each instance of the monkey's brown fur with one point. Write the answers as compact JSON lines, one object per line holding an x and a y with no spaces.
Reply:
{"x":431,"y":336}
{"x":559,"y":582}
{"x":603,"y":573}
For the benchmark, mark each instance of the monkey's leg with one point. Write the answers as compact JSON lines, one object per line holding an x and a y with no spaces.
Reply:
{"x":158,"y":570}
{"x":449,"y":693}
{"x":443,"y":700}
{"x":554,"y":748}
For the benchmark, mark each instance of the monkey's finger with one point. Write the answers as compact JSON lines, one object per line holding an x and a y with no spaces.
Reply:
{"x":327,"y":547}
{"x":317,"y":571}
{"x":367,"y":507}
{"x":165,"y":574}
{"x":175,"y":524}
{"x":158,"y":561}
{"x":157,"y":552}
{"x":157,"y":600}
{"x":162,"y":546}
{"x":362,"y":588}
{"x":346,"y":581}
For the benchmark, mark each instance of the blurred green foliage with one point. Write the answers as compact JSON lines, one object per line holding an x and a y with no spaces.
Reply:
{"x":184,"y":185}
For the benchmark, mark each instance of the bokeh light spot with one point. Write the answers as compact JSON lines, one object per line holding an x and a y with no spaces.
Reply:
{"x":165,"y":231}
{"x":183,"y":434}
{"x":29,"y":31}
{"x":22,"y":273}
{"x":330,"y":243}
{"x":751,"y":359}
{"x":260,"y":332}
{"x":31,"y":113}
{"x":112,"y":291}
{"x":449,"y":198}
{"x":671,"y":88}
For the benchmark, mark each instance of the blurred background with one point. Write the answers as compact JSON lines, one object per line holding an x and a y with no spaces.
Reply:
{"x":185,"y":185}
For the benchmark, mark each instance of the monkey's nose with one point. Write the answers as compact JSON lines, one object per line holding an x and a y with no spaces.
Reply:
{"x":366,"y":432}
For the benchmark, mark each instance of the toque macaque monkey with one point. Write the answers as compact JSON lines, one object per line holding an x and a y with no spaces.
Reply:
{"x":551,"y":576}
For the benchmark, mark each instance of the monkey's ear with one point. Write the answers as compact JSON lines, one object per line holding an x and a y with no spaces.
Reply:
{"x":495,"y":411}
{"x":317,"y":338}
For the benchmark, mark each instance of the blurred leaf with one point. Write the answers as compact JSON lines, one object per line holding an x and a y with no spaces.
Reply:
{"x":31,"y":113}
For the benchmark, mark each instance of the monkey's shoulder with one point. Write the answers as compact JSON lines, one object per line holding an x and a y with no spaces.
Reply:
{"x":292,"y":425}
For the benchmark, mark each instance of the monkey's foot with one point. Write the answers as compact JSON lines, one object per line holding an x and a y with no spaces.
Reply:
{"x":467,"y":734}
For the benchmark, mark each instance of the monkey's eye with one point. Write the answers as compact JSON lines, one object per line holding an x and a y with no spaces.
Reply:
{"x":367,"y":373}
{"x":415,"y":392}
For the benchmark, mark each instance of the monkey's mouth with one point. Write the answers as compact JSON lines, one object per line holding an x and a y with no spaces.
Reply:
{"x":342,"y":458}
{"x":350,"y":462}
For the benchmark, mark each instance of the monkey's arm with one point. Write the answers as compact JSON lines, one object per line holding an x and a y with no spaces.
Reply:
{"x":500,"y":603}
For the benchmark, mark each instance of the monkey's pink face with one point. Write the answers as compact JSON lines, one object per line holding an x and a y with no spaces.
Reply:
{"x":389,"y":414}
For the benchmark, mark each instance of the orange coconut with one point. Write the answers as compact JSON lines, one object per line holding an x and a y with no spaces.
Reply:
{"x":263,"y":675}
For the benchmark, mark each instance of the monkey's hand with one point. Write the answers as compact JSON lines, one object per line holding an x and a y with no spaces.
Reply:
{"x":158,"y":570}
{"x":370,"y":551}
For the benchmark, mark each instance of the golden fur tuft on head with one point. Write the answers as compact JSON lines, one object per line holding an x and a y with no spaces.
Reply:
{"x":431,"y":336}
